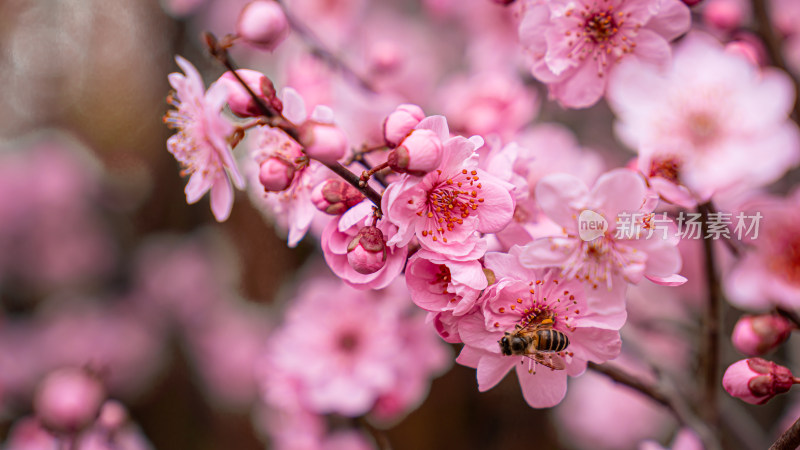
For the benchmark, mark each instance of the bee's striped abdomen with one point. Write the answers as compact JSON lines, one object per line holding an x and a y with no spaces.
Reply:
{"x":551,"y":340}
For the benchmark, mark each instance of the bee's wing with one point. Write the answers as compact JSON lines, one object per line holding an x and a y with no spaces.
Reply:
{"x":551,"y":360}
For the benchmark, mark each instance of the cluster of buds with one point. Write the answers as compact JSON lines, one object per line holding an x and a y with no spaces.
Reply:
{"x":241,"y":101}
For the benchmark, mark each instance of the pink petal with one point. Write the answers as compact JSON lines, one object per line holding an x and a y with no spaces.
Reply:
{"x":437,"y":124}
{"x":560,"y":196}
{"x":294,"y":108}
{"x":673,"y":19}
{"x":595,"y":344}
{"x":583,"y":89}
{"x":546,"y":252}
{"x":222,"y":198}
{"x":652,"y":48}
{"x":672,"y":280}
{"x":196,"y":188}
{"x":497,"y":209}
{"x":620,"y":190}
{"x":493,"y":368}
{"x":544,"y":389}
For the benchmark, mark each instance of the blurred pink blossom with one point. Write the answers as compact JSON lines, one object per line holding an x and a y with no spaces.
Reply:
{"x":707,"y":122}
{"x":575,"y":46}
{"x":200,"y":144}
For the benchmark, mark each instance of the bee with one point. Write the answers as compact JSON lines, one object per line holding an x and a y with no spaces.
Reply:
{"x":539,"y":342}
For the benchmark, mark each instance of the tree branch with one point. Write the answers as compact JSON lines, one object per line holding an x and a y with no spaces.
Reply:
{"x":682,"y":412}
{"x":709,"y":363}
{"x":790,"y":439}
{"x":220,"y":53}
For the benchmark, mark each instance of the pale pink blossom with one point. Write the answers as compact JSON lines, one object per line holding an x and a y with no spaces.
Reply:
{"x":525,"y":297}
{"x":339,"y":234}
{"x":756,"y":380}
{"x":590,"y":415}
{"x":200,"y":144}
{"x":713,"y":123}
{"x":626,"y":250}
{"x":575,"y":46}
{"x":445,"y":208}
{"x":437,"y":284}
{"x":370,"y":348}
{"x":489,"y":102}
{"x":768,"y":273}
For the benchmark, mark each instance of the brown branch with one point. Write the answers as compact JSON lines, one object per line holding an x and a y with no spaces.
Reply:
{"x":709,"y":364}
{"x":674,"y":403}
{"x":220,"y":53}
{"x":381,"y":439}
{"x":319,"y":50}
{"x":773,"y":44}
{"x":790,"y":439}
{"x":791,"y":315}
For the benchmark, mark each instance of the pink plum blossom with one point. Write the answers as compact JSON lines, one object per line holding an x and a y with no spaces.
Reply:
{"x":446,"y":207}
{"x":768,"y":274}
{"x":339,"y":234}
{"x":575,"y":46}
{"x":714,"y":122}
{"x":525,"y":297}
{"x":633,"y":246}
{"x":437,"y":284}
{"x":200,"y":144}
{"x":488,"y":102}
{"x":366,"y":350}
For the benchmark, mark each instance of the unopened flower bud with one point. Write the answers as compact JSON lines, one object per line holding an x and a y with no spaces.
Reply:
{"x":756,"y":380}
{"x":263,"y":24}
{"x":69,"y":400}
{"x":723,"y":14}
{"x":400,"y":122}
{"x":756,"y":335}
{"x":335,"y":196}
{"x":750,"y":47}
{"x":691,"y":2}
{"x":240,"y":101}
{"x":113,"y":415}
{"x":419,"y":153}
{"x":367,"y":251}
{"x":276,"y":174}
{"x":324,"y":142}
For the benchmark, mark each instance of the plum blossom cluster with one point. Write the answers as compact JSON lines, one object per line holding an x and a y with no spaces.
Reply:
{"x":523,"y":248}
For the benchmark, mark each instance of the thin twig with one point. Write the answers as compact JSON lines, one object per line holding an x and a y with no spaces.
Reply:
{"x":711,"y":325}
{"x":682,"y":412}
{"x":773,"y":45}
{"x":790,"y":439}
{"x":320,"y":51}
{"x":220,"y":53}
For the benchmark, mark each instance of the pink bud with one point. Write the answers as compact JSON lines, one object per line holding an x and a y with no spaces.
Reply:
{"x":756,"y":335}
{"x":400,"y":122}
{"x":263,"y":24}
{"x":276,"y":174}
{"x":113,"y":415}
{"x":69,"y":400}
{"x":756,"y":380}
{"x":419,"y":153}
{"x":723,"y":14}
{"x":749,"y":46}
{"x":241,"y":102}
{"x":367,"y":251}
{"x":335,"y":196}
{"x":324,"y":142}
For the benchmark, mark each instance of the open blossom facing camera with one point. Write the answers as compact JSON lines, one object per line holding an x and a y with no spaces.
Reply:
{"x":713,"y":123}
{"x":634,"y":245}
{"x":575,"y":45}
{"x":201,"y":143}
{"x":528,"y":299}
{"x":444,"y":208}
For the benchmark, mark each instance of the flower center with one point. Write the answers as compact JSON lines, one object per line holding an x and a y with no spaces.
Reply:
{"x":601,"y":26}
{"x":450,"y":203}
{"x":702,"y":127}
{"x":600,"y":32}
{"x":666,"y":167}
{"x":348,"y":342}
